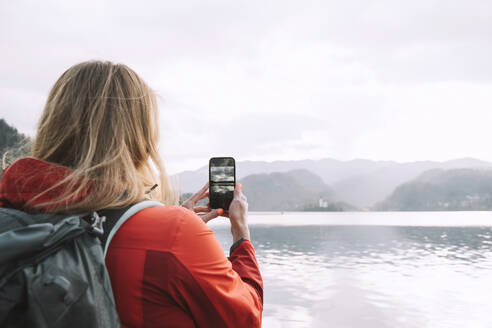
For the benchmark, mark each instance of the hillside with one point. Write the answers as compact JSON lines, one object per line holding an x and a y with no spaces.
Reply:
{"x":443,"y":190}
{"x":9,"y":136}
{"x":284,"y":191}
{"x":12,"y":143}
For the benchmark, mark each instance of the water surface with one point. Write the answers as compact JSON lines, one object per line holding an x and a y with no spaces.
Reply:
{"x":420,"y":269}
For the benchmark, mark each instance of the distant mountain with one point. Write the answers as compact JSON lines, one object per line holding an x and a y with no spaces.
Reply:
{"x":284,"y":191}
{"x":443,"y":190}
{"x":359,"y":182}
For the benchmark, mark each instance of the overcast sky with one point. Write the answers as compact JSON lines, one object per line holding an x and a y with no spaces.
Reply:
{"x":267,"y":80}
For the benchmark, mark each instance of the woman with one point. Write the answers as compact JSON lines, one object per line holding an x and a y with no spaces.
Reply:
{"x":96,"y":149}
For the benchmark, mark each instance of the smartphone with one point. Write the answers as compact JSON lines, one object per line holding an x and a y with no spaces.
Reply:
{"x":222,"y":179}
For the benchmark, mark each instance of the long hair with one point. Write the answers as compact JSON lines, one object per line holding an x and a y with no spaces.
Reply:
{"x":101,"y":122}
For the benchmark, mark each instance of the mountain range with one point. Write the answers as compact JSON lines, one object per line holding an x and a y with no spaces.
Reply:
{"x":361,"y":182}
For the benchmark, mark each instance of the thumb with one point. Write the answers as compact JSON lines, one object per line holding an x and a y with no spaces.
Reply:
{"x":237,"y":190}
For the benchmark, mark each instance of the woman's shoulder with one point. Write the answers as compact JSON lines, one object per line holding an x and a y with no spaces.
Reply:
{"x":159,"y":214}
{"x":182,"y":218}
{"x":159,"y":223}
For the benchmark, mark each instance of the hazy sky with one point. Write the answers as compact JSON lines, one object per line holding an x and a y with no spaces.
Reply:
{"x":399,"y":80}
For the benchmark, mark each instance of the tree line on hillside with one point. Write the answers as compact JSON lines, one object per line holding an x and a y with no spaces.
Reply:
{"x":13,"y":144}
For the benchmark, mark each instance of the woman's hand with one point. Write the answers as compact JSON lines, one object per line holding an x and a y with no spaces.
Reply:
{"x":238,"y":214}
{"x":204,"y":212}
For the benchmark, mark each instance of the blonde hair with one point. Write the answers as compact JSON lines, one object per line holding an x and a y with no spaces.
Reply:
{"x":101,"y":121}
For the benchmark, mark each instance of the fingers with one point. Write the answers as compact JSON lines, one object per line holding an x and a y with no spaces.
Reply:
{"x":202,"y":193}
{"x":202,"y":196}
{"x":237,"y":190}
{"x":212,"y":215}
{"x":238,"y":194}
{"x":201,"y":209}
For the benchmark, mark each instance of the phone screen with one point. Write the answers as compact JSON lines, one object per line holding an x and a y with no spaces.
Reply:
{"x":222,"y":178}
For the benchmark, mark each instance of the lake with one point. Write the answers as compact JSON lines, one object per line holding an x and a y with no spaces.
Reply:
{"x":370,"y":269}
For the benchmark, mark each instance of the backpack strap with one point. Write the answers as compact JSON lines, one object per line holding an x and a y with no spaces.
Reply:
{"x":126,"y":216}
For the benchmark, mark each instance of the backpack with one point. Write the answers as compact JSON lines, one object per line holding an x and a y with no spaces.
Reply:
{"x":52,"y":270}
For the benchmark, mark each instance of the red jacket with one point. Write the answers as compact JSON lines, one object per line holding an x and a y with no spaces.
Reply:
{"x":167,"y":268}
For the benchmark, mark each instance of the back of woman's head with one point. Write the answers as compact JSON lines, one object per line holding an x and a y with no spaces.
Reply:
{"x":101,"y":121}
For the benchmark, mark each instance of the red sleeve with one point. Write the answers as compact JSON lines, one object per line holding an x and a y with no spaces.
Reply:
{"x":244,"y":263}
{"x":234,"y":288}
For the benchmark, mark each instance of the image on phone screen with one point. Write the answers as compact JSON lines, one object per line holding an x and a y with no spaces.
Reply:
{"x":222,"y":178}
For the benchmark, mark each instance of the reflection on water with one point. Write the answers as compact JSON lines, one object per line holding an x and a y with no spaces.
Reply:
{"x":373,"y":276}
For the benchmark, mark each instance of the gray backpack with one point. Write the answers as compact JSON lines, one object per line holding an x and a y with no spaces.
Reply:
{"x":52,"y":270}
